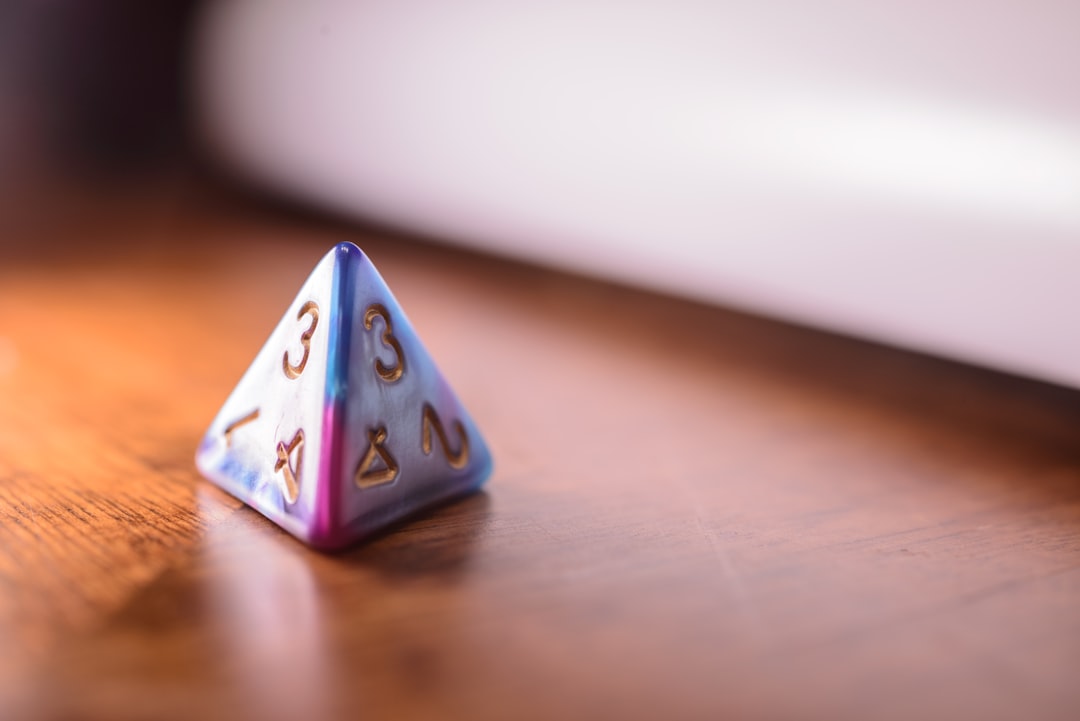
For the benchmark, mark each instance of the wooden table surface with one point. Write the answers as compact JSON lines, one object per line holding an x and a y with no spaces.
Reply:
{"x":695,"y":514}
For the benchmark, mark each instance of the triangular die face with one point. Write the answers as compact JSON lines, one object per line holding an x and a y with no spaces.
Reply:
{"x":343,"y":424}
{"x":265,"y":445}
{"x":399,"y":413}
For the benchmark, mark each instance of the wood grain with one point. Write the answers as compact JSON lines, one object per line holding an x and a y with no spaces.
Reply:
{"x":694,"y":513}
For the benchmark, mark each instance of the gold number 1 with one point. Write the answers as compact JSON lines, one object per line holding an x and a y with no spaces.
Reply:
{"x":249,"y":418}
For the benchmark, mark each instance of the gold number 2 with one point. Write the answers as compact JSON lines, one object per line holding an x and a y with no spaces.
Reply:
{"x":294,"y":371}
{"x":387,"y":373}
{"x":431,"y":421}
{"x":291,"y":485}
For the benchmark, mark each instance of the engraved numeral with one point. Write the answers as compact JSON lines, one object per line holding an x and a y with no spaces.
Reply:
{"x":237,"y":423}
{"x":290,"y":486}
{"x":387,"y":373}
{"x":431,"y":421}
{"x":294,"y":371}
{"x":368,"y":476}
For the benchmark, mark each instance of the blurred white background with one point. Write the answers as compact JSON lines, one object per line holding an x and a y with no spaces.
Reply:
{"x":904,"y":171}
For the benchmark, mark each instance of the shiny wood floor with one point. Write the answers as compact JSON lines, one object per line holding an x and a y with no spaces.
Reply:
{"x":694,"y":514}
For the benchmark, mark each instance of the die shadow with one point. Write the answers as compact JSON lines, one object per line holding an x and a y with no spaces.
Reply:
{"x":433,"y":546}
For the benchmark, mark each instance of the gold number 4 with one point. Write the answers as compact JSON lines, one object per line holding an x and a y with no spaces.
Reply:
{"x":431,"y":422}
{"x":291,"y":477}
{"x":387,"y":373}
{"x":294,"y":371}
{"x":368,"y":476}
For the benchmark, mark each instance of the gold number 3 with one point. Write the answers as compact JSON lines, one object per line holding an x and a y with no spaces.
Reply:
{"x":294,"y":371}
{"x":387,"y":373}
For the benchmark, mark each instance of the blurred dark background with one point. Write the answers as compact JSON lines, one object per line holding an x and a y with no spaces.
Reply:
{"x":93,"y":99}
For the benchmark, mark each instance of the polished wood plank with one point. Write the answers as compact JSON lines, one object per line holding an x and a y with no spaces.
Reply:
{"x":694,"y":513}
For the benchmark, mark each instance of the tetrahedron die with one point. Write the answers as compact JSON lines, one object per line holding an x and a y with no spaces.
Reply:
{"x":343,"y":424}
